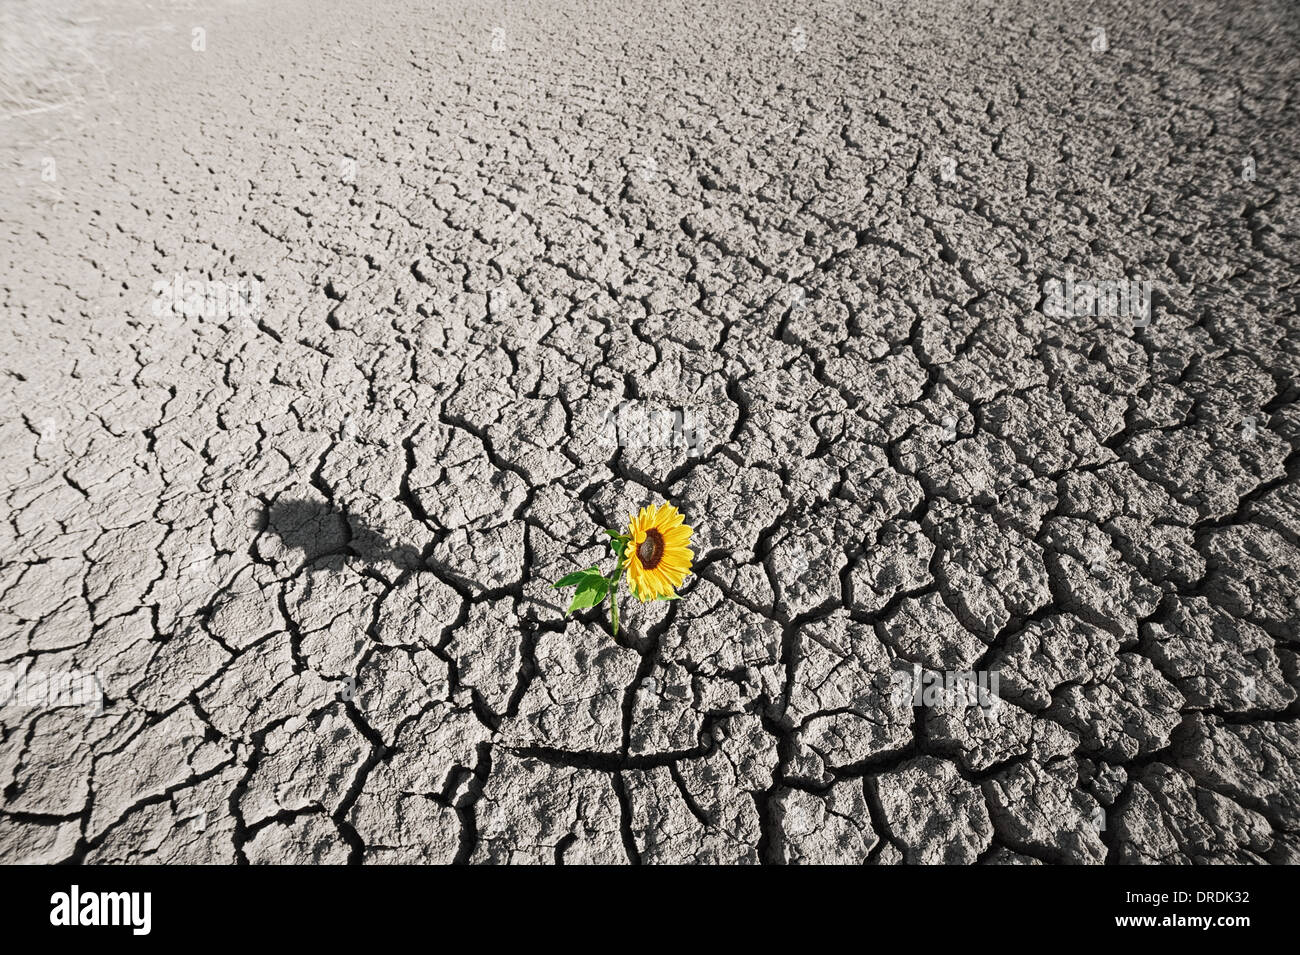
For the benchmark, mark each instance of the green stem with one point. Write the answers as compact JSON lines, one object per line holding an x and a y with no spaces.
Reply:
{"x":613,"y":597}
{"x":617,"y":544}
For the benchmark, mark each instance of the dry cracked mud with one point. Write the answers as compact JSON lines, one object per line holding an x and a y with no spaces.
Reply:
{"x":333,"y":333}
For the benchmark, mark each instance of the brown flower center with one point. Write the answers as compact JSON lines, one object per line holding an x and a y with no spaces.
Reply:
{"x":651,"y":550}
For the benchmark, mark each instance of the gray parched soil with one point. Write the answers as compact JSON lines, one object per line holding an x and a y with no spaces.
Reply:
{"x":511,"y":271}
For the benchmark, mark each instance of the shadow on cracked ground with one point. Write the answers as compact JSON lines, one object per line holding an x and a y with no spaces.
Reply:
{"x":319,"y":529}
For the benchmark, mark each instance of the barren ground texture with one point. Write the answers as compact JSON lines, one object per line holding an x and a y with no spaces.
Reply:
{"x":511,"y":271}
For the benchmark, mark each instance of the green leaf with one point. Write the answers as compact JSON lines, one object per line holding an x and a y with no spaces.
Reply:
{"x":590,"y":592}
{"x":577,"y":577}
{"x":672,"y":596}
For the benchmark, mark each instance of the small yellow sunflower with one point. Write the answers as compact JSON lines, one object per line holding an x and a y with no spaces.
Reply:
{"x":658,"y":556}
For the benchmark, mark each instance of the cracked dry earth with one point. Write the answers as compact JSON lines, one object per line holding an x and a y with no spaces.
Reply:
{"x":307,"y":553}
